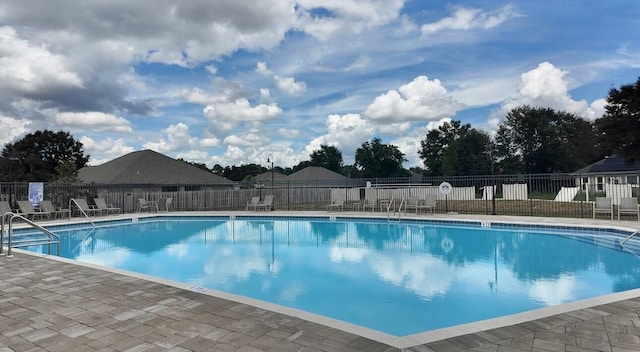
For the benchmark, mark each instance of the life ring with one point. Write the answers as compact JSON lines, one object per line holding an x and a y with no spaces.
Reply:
{"x":445,"y":188}
{"x":446,"y":244}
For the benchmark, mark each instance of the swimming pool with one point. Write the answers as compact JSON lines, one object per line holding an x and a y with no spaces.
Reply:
{"x":398,"y":278}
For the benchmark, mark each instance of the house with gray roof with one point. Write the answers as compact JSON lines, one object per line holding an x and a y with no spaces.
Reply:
{"x":319,"y":176}
{"x":149,"y":167}
{"x":149,"y":175}
{"x":315,"y":173}
{"x":267,"y":176}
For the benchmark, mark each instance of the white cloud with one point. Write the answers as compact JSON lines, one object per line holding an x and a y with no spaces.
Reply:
{"x":396,"y":129}
{"x":199,"y":156}
{"x":486,"y":91}
{"x":289,"y":85}
{"x":93,"y":121}
{"x":11,"y":129}
{"x":226,"y":116}
{"x":177,"y":138}
{"x":101,"y":151}
{"x":261,"y":68}
{"x":409,"y":145}
{"x":173,"y":33}
{"x":345,"y":16}
{"x":199,"y":96}
{"x":546,"y":86}
{"x":286,"y":84}
{"x":288,"y":132}
{"x":251,"y":139}
{"x":469,"y":18}
{"x":419,"y":100}
{"x":265,"y":95}
{"x":346,"y":132}
{"x":33,"y":70}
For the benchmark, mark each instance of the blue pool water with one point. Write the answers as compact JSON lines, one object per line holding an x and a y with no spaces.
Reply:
{"x":398,"y":278}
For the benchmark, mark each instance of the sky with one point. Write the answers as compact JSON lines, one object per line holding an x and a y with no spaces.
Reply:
{"x":235,"y":82}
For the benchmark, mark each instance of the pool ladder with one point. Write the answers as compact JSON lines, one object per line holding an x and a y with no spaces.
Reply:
{"x":25,"y":240}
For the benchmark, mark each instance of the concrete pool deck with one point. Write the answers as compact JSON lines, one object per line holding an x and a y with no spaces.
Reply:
{"x":55,"y":304}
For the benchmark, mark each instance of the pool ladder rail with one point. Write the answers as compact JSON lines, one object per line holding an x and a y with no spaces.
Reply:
{"x":629,"y":237}
{"x":25,"y":240}
{"x":72,"y":202}
{"x":391,"y":207}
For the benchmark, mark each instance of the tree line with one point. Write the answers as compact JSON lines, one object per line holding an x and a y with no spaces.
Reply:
{"x":530,"y":140}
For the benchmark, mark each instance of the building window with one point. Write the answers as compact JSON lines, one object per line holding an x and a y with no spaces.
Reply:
{"x":169,"y":188}
{"x":632,"y":180}
{"x":585,"y":183}
{"x":600,"y":184}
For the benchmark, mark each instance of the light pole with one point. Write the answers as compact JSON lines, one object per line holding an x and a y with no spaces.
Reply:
{"x":270,"y":160}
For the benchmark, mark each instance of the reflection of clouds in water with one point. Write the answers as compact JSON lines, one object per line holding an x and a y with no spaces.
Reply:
{"x":291,"y":292}
{"x":113,"y":258}
{"x":553,"y":292}
{"x":351,"y":255}
{"x":179,"y":250}
{"x":425,"y":275}
{"x":227,"y":266}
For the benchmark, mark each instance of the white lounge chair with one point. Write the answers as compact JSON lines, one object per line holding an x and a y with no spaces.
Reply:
{"x":47,"y":206}
{"x":369,"y":203}
{"x":102,"y":205}
{"x":337,"y":203}
{"x":147,"y":205}
{"x":428,"y":203}
{"x":5,"y":207}
{"x":253,"y":203}
{"x":27,"y":210}
{"x":412,"y":203}
{"x":629,"y":206}
{"x":603,"y":205}
{"x":84,"y":206}
{"x":266,"y":203}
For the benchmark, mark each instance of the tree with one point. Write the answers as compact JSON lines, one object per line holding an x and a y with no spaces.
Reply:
{"x":39,"y":155}
{"x":375,"y":159}
{"x":456,"y":149}
{"x":542,"y":140}
{"x":301,"y":165}
{"x":67,"y":172}
{"x":202,"y":166}
{"x":328,"y":157}
{"x":620,"y":127}
{"x":238,"y":173}
{"x":218,"y":170}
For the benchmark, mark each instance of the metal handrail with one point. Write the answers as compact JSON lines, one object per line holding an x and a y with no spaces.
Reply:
{"x":393,"y":199}
{"x":73,"y":201}
{"x":400,"y":208}
{"x":29,"y":222}
{"x":629,"y":237}
{"x":4,"y":216}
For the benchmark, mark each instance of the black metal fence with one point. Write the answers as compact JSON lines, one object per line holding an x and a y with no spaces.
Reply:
{"x":552,"y":195}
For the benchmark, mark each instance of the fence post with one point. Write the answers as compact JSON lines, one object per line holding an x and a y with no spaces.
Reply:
{"x":494,"y":188}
